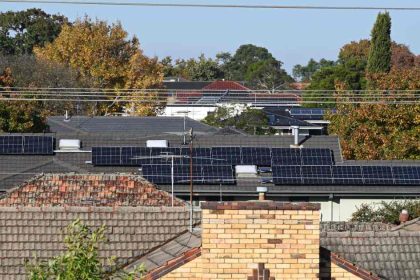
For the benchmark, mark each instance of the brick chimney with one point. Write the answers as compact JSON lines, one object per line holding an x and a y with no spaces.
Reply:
{"x":246,"y":240}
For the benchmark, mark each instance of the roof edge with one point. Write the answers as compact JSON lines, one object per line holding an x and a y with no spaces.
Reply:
{"x":173,"y":264}
{"x":353,"y":268}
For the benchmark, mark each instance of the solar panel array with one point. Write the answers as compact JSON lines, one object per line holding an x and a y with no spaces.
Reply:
{"x":345,"y":175}
{"x":26,"y":145}
{"x":202,"y":174}
{"x":260,"y":156}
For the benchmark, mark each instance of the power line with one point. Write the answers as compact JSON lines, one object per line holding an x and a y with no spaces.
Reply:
{"x":223,"y":6}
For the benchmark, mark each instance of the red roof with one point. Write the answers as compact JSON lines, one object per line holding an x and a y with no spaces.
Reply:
{"x":88,"y":190}
{"x":225,"y":85}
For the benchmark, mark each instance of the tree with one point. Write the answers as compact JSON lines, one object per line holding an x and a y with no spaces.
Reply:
{"x":305,"y":73}
{"x":267,"y":74}
{"x":252,"y":121}
{"x":19,"y":116}
{"x":103,"y":53}
{"x":381,"y":131}
{"x":386,"y":212}
{"x":379,"y":60}
{"x":21,"y":31}
{"x":81,"y":259}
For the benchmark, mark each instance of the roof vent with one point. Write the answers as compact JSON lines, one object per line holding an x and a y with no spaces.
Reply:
{"x":69,"y":144}
{"x":404,"y":216}
{"x":66,"y":116}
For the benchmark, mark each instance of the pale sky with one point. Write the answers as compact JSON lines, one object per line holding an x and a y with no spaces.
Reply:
{"x":293,"y":36}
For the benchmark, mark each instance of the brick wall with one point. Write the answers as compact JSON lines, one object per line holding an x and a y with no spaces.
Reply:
{"x":338,"y":273}
{"x":237,"y":237}
{"x":191,"y":271}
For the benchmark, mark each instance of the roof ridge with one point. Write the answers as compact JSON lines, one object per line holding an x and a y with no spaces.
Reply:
{"x":352,"y":267}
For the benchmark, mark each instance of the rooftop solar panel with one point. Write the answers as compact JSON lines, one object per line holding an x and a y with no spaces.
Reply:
{"x":317,"y":174}
{"x":316,"y":156}
{"x":406,"y":175}
{"x":347,"y":175}
{"x":226,"y":155}
{"x":159,"y":155}
{"x":38,"y":145}
{"x":201,"y":156}
{"x":218,"y":174}
{"x":287,"y":175}
{"x":285,"y":156}
{"x":182,"y":174}
{"x":157,"y":173}
{"x":256,"y":156}
{"x":11,"y":145}
{"x":377,"y":175}
{"x":106,"y":156}
{"x":135,"y":156}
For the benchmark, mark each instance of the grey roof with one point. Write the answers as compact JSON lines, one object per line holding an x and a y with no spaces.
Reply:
{"x":168,"y":251}
{"x":413,"y":225}
{"x":185,"y":85}
{"x":131,"y":231}
{"x":390,"y":255}
{"x":127,"y":125}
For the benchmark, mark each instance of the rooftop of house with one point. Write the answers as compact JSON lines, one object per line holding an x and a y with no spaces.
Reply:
{"x":226,"y":85}
{"x":87,"y":190}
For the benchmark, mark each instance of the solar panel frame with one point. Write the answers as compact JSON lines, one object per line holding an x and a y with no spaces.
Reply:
{"x":347,"y":175}
{"x":201,"y":156}
{"x":38,"y":145}
{"x":130,"y":156}
{"x":11,"y":144}
{"x":317,"y":175}
{"x":377,"y":175}
{"x":287,"y":174}
{"x":106,"y":156}
{"x":260,"y":156}
{"x":406,"y":175}
{"x":156,"y":152}
{"x":228,"y":155}
{"x":285,"y":156}
{"x":182,"y":174}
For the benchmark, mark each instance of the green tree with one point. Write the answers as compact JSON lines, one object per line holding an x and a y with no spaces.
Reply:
{"x":305,"y":73}
{"x":21,"y":31}
{"x":81,"y":260}
{"x":19,"y":116}
{"x":252,"y":121}
{"x":268,"y":75}
{"x":386,"y":212}
{"x":379,"y":60}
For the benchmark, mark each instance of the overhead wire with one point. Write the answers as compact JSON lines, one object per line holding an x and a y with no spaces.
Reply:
{"x":224,"y":6}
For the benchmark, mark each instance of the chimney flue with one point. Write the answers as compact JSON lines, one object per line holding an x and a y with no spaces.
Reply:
{"x":261,"y":193}
{"x":295,"y":132}
{"x":404,"y":216}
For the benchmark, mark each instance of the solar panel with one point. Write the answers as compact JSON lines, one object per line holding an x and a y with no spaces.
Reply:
{"x":226,"y":155}
{"x":406,"y":175}
{"x":156,"y":152}
{"x":377,"y":175}
{"x":110,"y":156}
{"x":11,"y":145}
{"x":316,"y":156}
{"x":316,"y":174}
{"x":157,"y":173}
{"x":218,"y":174}
{"x":256,"y":156}
{"x":38,"y":145}
{"x":201,"y":156}
{"x":135,"y":156}
{"x":182,"y":174}
{"x":347,"y":175}
{"x":285,"y":156}
{"x":287,"y":175}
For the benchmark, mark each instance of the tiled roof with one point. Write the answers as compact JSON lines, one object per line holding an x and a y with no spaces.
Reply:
{"x":90,"y":189}
{"x":225,"y":85}
{"x":354,"y":226}
{"x":170,"y":255}
{"x":413,"y":225}
{"x":390,"y":255}
{"x":131,"y":232}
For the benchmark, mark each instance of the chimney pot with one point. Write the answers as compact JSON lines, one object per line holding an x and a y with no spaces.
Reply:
{"x":404,"y":216}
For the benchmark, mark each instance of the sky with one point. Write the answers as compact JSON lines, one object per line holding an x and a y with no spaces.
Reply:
{"x":293,"y":36}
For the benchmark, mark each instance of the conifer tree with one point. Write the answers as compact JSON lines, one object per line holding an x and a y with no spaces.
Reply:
{"x":379,"y":60}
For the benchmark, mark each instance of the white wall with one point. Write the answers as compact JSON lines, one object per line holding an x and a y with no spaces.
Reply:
{"x":196,"y":113}
{"x":342,"y":209}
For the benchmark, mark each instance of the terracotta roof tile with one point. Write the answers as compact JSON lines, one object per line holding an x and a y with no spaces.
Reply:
{"x":85,"y":190}
{"x":225,"y":85}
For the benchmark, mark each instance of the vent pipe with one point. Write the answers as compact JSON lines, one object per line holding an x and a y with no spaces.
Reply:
{"x":295,"y":132}
{"x":261,"y":193}
{"x":66,"y":116}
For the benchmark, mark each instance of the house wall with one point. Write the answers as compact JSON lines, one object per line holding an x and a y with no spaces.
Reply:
{"x":339,"y":273}
{"x":195,"y":113}
{"x":191,"y":271}
{"x":238,"y":236}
